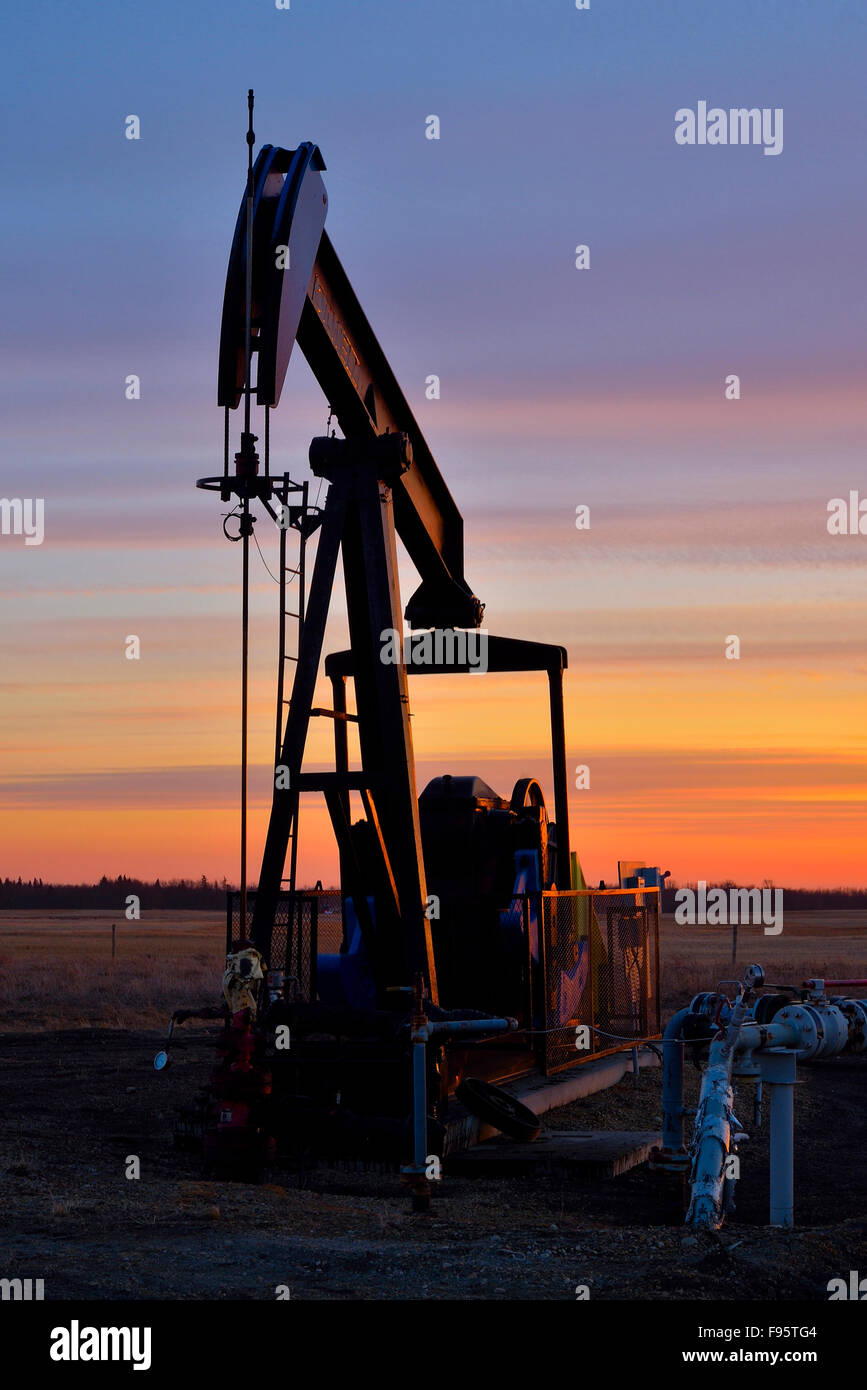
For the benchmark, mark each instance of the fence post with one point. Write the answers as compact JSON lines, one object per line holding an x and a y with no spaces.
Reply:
{"x":529,"y":997}
{"x":542,"y":921}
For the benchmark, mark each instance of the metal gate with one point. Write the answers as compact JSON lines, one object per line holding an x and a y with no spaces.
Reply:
{"x":294,"y":939}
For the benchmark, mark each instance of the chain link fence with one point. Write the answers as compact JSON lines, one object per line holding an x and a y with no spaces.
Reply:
{"x":599,"y":966}
{"x":580,"y":969}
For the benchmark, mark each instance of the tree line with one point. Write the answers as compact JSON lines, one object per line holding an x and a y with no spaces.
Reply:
{"x":111,"y":893}
{"x":204,"y":893}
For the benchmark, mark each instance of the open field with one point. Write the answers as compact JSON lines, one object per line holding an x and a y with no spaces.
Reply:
{"x":79,"y":1096}
{"x":56,"y":968}
{"x":830,"y":945}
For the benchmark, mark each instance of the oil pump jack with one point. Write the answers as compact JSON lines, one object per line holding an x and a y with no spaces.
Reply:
{"x":464,"y":956}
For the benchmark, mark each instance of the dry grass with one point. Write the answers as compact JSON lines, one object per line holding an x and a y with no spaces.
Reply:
{"x":826,"y":944}
{"x":56,"y":969}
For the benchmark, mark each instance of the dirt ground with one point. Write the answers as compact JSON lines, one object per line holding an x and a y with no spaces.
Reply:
{"x":78,"y":1102}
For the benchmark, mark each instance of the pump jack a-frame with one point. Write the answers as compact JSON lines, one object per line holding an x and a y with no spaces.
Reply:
{"x":397,"y":1038}
{"x":383,"y":484}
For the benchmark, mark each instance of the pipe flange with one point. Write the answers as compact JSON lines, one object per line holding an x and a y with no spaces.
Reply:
{"x":804,"y":1020}
{"x":836,"y":1029}
{"x":855,"y":1013}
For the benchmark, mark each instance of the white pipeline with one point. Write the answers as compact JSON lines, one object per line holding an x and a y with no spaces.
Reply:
{"x":713,"y":1127}
{"x":815,"y":1027}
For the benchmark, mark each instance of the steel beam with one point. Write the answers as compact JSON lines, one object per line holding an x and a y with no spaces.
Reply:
{"x":510,"y":654}
{"x":353,"y":371}
{"x":382,"y":703}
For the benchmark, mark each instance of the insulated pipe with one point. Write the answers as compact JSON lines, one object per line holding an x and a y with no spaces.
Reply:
{"x":672,"y":1082}
{"x":770,"y":1050}
{"x":713,"y":1121}
{"x":814,"y":1027}
{"x":713,"y":1127}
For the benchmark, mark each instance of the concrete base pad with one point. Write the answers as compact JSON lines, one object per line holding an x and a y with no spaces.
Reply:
{"x":587,"y":1154}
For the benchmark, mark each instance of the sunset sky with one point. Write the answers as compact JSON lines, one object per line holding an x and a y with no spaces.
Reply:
{"x":558,"y":387}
